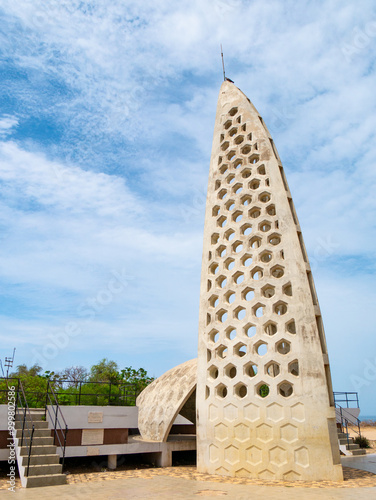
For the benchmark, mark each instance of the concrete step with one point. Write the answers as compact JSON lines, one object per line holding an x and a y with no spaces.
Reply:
{"x":47,"y":480}
{"x":342,"y":435}
{"x":360,"y":451}
{"x":41,"y":460}
{"x":45,"y":469}
{"x":352,"y":446}
{"x":37,"y":433}
{"x":38,"y":441}
{"x":344,"y":441}
{"x":37,"y":425}
{"x":38,"y":450}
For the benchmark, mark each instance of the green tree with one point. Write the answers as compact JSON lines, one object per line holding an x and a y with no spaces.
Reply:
{"x":105,"y":371}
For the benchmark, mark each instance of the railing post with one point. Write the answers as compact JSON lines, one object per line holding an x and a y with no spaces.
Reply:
{"x":30,"y":445}
{"x":79,"y":394}
{"x":45,"y":410}
{"x":109,"y":395}
{"x":23,"y":425}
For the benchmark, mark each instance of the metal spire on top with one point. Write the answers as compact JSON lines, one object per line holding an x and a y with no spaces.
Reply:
{"x":223,"y":67}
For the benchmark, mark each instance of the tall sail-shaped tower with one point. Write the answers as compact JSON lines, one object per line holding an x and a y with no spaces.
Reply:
{"x":264,"y":396}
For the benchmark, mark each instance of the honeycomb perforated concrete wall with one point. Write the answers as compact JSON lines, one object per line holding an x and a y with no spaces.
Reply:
{"x":264,"y":396}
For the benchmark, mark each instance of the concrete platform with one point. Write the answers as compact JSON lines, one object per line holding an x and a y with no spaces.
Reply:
{"x":363,"y":462}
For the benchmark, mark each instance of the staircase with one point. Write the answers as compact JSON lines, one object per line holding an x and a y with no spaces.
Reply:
{"x":347,"y":445}
{"x":43,"y":467}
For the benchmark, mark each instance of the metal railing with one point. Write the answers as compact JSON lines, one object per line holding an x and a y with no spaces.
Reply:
{"x":23,"y":411}
{"x":56,"y":417}
{"x":350,"y":398}
{"x":348,"y":421}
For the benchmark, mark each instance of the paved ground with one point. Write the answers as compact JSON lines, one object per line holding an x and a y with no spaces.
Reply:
{"x":168,"y":487}
{"x":186,"y":483}
{"x":362,"y":462}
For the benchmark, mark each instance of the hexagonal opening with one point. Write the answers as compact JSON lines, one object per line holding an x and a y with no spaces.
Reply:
{"x":266,"y":256}
{"x":214,"y":238}
{"x":254,"y":184}
{"x":223,"y":169}
{"x":261,"y":170}
{"x":250,"y":369}
{"x":214,"y":335}
{"x":231,"y":155}
{"x":246,"y":229}
{"x":221,"y":221}
{"x":221,"y":351}
{"x":221,"y":281}
{"x":238,"y":163}
{"x":246,"y":260}
{"x":268,"y":291}
{"x":237,"y":216}
{"x":221,"y":391}
{"x":254,"y":213}
{"x":294,"y":368}
{"x":240,"y":349}
{"x":258,"y":310}
{"x":250,"y":330}
{"x":237,"y":246}
{"x":248,"y":294}
{"x":290,"y":327}
{"x":246,"y":199}
{"x":257,"y":273}
{"x":233,"y":131}
{"x":265,"y":226}
{"x":221,"y":251}
{"x":272,"y":369}
{"x":230,"y":371}
{"x":254,"y":158}
{"x":225,"y":145}
{"x":262,"y":390}
{"x":261,"y":348}
{"x":265,"y":197}
{"x":246,"y":149}
{"x":239,"y":139}
{"x":230,"y":178}
{"x":215,"y":211}
{"x":233,"y":111}
{"x":274,"y":239}
{"x":239,"y":313}
{"x":229,"y":263}
{"x":283,"y":346}
{"x":213,"y":301}
{"x":213,"y":372}
{"x":240,"y":390}
{"x":230,"y":297}
{"x":287,"y":289}
{"x":238,"y":277}
{"x":285,"y":389}
{"x":230,"y":333}
{"x":270,"y":210}
{"x":280,"y":308}
{"x":247,"y":172}
{"x":229,"y":234}
{"x":255,"y":242}
{"x":213,"y":268}
{"x":238,"y":187}
{"x":222,"y":315}
{"x":277,"y":271}
{"x":230,"y":205}
{"x":270,"y":328}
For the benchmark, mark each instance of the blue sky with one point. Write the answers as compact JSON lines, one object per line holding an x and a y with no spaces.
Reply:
{"x":107,"y":115}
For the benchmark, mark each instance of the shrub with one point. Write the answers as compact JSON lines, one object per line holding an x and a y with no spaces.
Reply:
{"x":362,"y":441}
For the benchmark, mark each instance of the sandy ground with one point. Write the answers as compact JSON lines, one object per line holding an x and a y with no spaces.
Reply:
{"x":370,"y":434}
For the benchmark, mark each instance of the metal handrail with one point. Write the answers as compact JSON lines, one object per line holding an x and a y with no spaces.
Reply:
{"x":56,"y":422}
{"x":25,"y":407}
{"x":346,"y":397}
{"x":348,"y":419}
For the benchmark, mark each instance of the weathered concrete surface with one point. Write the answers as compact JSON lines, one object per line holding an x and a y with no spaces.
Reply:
{"x":264,"y":395}
{"x":161,"y":401}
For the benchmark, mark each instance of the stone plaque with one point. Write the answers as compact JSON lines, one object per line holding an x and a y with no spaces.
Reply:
{"x":92,"y":436}
{"x":91,"y":451}
{"x":95,"y":417}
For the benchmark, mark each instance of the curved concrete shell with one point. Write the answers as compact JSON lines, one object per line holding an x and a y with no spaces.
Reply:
{"x":162,"y":401}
